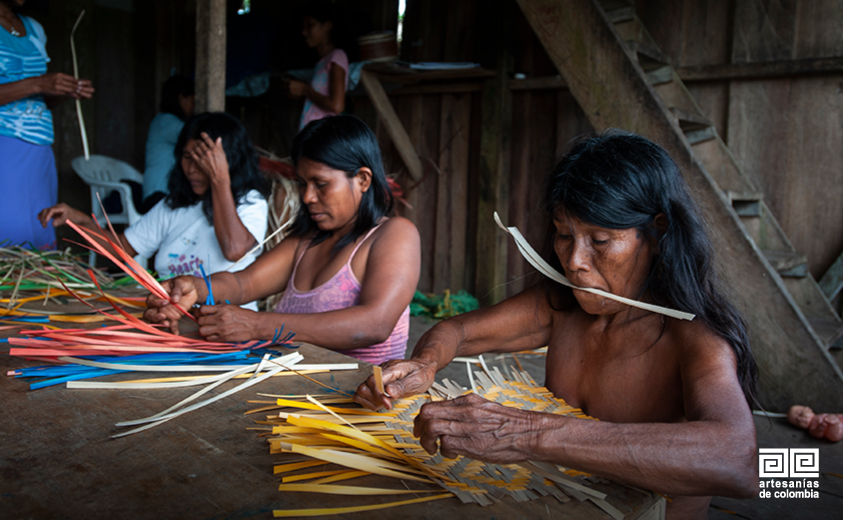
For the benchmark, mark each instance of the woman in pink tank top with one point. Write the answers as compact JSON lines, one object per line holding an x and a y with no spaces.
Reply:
{"x":348,"y":269}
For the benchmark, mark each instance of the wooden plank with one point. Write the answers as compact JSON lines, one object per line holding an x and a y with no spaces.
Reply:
{"x":832,"y":280}
{"x":614,"y":93}
{"x":495,"y":138}
{"x":758,"y":70}
{"x":210,"y":55}
{"x":793,"y":155}
{"x":115,"y":85}
{"x":436,"y":88}
{"x":392,"y":124}
{"x":763,"y":31}
{"x":452,"y":194}
{"x":539,"y":83}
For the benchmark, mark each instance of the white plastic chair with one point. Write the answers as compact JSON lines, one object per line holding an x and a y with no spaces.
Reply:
{"x":103,"y":175}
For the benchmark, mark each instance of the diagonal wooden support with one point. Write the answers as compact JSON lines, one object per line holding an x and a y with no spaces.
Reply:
{"x":393,"y":125}
{"x":614,"y":92}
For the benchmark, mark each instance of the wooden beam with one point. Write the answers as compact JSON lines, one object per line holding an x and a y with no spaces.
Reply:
{"x":436,"y":88}
{"x":767,"y":69}
{"x":210,"y":55}
{"x":614,"y":92}
{"x":538,"y":83}
{"x":393,"y":125}
{"x":493,"y":179}
{"x":832,"y":280}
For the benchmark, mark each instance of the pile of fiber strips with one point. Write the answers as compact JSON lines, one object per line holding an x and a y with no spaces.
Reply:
{"x":358,"y":442}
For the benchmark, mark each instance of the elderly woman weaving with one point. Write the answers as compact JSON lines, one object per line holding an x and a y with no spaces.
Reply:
{"x":672,"y":396}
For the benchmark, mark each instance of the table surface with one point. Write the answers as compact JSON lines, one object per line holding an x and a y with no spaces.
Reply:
{"x":57,"y":459}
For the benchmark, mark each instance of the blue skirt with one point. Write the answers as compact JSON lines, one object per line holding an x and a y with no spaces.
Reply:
{"x":28,"y":184}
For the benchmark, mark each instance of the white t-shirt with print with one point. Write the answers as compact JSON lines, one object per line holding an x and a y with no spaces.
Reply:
{"x":185,"y":240}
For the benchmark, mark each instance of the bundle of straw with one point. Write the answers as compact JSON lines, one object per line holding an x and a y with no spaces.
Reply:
{"x":28,"y":275}
{"x":360,"y":442}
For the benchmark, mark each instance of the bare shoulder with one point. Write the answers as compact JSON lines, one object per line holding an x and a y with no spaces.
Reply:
{"x":398,"y":226}
{"x":699,"y":345}
{"x":397,"y":232}
{"x":709,"y":370}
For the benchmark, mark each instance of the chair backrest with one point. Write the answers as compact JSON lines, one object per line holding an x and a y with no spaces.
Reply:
{"x":103,"y":175}
{"x":102,"y":168}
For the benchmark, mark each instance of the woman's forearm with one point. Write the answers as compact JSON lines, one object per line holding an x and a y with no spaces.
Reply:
{"x":16,"y":90}
{"x":690,"y":458}
{"x":344,"y":329}
{"x":234,"y":238}
{"x":324,"y":102}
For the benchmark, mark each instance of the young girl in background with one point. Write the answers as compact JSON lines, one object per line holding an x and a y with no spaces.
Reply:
{"x":325,"y":95}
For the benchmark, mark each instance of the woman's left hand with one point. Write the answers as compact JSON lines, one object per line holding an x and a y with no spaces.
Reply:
{"x":296,"y":88}
{"x":209,"y":155}
{"x":227,"y":323}
{"x":476,"y":428}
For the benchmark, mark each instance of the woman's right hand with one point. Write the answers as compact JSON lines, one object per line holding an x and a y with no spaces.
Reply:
{"x":182,"y":290}
{"x":61,"y":213}
{"x":401,"y":378}
{"x":61,"y":84}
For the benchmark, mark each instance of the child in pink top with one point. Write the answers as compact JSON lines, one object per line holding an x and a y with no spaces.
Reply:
{"x":325,"y":96}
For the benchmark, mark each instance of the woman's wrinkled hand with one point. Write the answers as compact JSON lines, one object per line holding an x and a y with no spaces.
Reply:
{"x":61,"y":84}
{"x":182,"y":290}
{"x":401,"y":378}
{"x":227,"y":323}
{"x":209,"y":156}
{"x":61,"y":213}
{"x":474,"y":427}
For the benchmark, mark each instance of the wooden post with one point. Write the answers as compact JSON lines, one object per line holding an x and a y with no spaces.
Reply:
{"x":210,"y":56}
{"x":493,"y":185}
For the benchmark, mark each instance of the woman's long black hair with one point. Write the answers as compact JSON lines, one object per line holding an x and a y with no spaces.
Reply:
{"x":344,"y":143}
{"x":242,"y":162}
{"x":620,"y":181}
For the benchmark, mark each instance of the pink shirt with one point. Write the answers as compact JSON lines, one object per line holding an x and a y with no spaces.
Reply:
{"x":340,"y":292}
{"x":321,"y":83}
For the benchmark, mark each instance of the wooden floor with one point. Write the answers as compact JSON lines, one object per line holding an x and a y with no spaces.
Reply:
{"x":57,"y":460}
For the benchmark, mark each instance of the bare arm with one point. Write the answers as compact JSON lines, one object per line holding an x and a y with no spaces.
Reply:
{"x":334,"y":101}
{"x":519,"y":323}
{"x":713,"y":453}
{"x":61,"y":213}
{"x":53,"y":86}
{"x":392,"y":273}
{"x":234,"y":238}
{"x":267,"y":275}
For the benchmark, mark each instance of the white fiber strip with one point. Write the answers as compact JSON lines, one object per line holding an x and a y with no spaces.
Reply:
{"x":243,"y":386}
{"x":543,"y":267}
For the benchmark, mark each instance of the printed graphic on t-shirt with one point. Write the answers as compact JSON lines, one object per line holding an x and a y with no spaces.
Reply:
{"x":183,"y":264}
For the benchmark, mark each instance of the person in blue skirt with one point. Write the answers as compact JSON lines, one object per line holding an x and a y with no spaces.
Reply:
{"x":28,"y":179}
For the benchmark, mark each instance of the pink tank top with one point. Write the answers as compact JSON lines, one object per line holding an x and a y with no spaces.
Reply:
{"x":340,"y":292}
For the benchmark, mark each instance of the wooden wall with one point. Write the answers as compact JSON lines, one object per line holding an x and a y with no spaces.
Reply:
{"x":447,"y":128}
{"x":785,"y":131}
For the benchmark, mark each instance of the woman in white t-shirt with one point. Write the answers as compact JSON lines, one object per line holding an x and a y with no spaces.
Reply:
{"x":215,"y":213}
